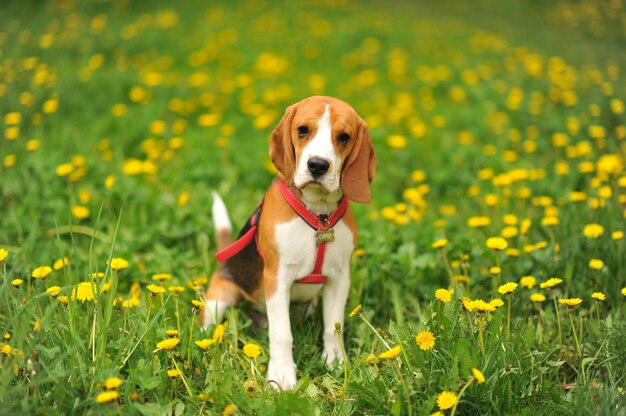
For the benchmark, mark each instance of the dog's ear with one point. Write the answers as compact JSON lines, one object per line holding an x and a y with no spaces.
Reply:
{"x":360,"y":167}
{"x":282,"y":151}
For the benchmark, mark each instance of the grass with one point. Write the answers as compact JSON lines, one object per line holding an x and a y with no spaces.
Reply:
{"x":119,"y":119}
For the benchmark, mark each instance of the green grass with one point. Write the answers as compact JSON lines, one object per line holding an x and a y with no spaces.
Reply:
{"x":151,"y":106}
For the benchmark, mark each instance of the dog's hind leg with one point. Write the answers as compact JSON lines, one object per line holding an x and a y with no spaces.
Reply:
{"x":221,"y":295}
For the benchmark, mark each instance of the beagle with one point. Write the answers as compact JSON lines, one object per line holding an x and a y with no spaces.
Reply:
{"x":300,"y":239}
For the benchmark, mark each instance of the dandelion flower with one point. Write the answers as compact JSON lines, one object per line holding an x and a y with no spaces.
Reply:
{"x":218,"y":334}
{"x":478,"y":222}
{"x":118,"y":263}
{"x":550,"y":283}
{"x":251,"y":350}
{"x":496,"y":303}
{"x":478,"y":375}
{"x":596,"y":264}
{"x":112,"y":383}
{"x":83,"y":292}
{"x":440,"y":243}
{"x":446,"y":400}
{"x":130,"y":303}
{"x":155,"y":289}
{"x":392,"y":353}
{"x":172,"y":333}
{"x":570,"y":302}
{"x":537,"y":297}
{"x":6,"y":349}
{"x":61,"y":263}
{"x":593,"y":230}
{"x":175,"y":289}
{"x":468,"y":304}
{"x":624,"y":291}
{"x":161,"y":277}
{"x":425,"y":340}
{"x":53,"y":291}
{"x":230,"y":410}
{"x":17,"y":282}
{"x":197,"y":303}
{"x":3,"y":254}
{"x":204,"y":344}
{"x":41,"y":272}
{"x":497,"y":243}
{"x":444,"y":295}
{"x":482,"y":306}
{"x":615,"y":235}
{"x":495,"y":270}
{"x":107,"y":396}
{"x":355,"y":311}
{"x":168,"y":344}
{"x":528,"y":282}
{"x":173,"y":373}
{"x":507,"y":288}
{"x":598,"y":296}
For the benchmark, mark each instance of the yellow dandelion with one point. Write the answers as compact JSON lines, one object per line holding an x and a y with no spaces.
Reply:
{"x":440,"y":243}
{"x":251,"y":350}
{"x":507,"y":288}
{"x":63,"y":299}
{"x":496,"y":303}
{"x":41,"y":272}
{"x":168,"y":344}
{"x":80,"y":212}
{"x":495,"y":270}
{"x":537,"y":297}
{"x":593,"y":230}
{"x":17,"y":282}
{"x":3,"y":254}
{"x":598,"y":296}
{"x":155,"y":289}
{"x":176,"y":289}
{"x":131,"y":303}
{"x":570,"y":302}
{"x":478,"y":375}
{"x":355,"y":311}
{"x":446,"y":400}
{"x":468,"y":304}
{"x":197,"y":303}
{"x":396,"y":141}
{"x":53,"y":291}
{"x":118,"y":263}
{"x":204,"y":344}
{"x":497,"y":243}
{"x":83,"y":292}
{"x":478,"y":222}
{"x":444,"y":295}
{"x":425,"y":340}
{"x":61,"y":263}
{"x":550,"y":283}
{"x":6,"y":349}
{"x":482,"y":306}
{"x":596,"y":264}
{"x":528,"y":282}
{"x":159,"y":277}
{"x":172,"y":333}
{"x":615,"y":235}
{"x":107,"y":396}
{"x":173,"y":373}
{"x":230,"y":410}
{"x":112,"y":383}
{"x":218,"y":334}
{"x":391,"y":353}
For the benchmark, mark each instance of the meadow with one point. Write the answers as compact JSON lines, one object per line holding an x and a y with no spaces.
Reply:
{"x":490,"y":274}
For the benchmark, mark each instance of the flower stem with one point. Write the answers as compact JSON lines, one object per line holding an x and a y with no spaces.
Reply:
{"x":344,"y":355}
{"x":479,"y":321}
{"x":508,"y":317}
{"x":448,"y":268}
{"x":459,"y":397}
{"x":375,"y":331}
{"x":571,"y":321}
{"x":405,"y":387}
{"x":558,"y":320}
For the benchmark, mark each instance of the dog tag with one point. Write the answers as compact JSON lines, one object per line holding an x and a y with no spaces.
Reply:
{"x":325,"y":236}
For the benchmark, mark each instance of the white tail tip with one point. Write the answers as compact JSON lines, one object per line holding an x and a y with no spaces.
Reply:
{"x":221,"y":220}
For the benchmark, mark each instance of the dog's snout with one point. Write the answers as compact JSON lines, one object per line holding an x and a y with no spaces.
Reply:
{"x":318,"y":166}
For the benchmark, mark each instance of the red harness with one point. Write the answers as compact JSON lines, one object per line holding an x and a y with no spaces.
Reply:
{"x":322,"y":224}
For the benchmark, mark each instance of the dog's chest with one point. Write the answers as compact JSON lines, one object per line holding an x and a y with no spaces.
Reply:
{"x":298,"y":250}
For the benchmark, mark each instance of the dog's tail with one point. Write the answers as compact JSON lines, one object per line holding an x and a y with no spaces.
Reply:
{"x":221,"y":222}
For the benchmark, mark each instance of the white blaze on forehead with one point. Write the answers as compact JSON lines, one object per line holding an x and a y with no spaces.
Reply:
{"x":321,"y":146}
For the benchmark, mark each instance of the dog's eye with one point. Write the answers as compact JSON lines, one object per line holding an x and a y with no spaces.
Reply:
{"x":303,"y":131}
{"x":343,"y":138}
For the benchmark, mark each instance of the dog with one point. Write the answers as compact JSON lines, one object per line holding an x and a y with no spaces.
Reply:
{"x":300,"y":240}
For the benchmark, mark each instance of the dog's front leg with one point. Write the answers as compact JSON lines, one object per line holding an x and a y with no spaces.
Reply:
{"x":334,"y":299}
{"x":281,"y":370}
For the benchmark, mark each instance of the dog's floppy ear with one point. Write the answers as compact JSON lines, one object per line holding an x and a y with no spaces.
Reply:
{"x":282,"y":151}
{"x":360,"y":167}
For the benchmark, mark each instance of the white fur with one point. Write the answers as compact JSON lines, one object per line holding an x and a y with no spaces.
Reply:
{"x":297,"y":257}
{"x":320,"y":146}
{"x":213,"y":312}
{"x":221,"y":220}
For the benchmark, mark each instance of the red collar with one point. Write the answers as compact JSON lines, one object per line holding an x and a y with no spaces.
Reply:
{"x":317,"y":222}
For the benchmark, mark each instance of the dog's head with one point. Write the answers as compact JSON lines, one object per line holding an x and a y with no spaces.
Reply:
{"x":322,"y":144}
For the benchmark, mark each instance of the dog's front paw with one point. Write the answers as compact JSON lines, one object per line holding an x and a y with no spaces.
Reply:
{"x":332,"y":352}
{"x":281,"y":374}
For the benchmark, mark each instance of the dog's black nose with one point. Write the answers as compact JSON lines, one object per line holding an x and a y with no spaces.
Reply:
{"x":317,"y":166}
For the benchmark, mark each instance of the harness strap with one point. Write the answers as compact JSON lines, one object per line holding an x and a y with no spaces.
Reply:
{"x":319,"y":223}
